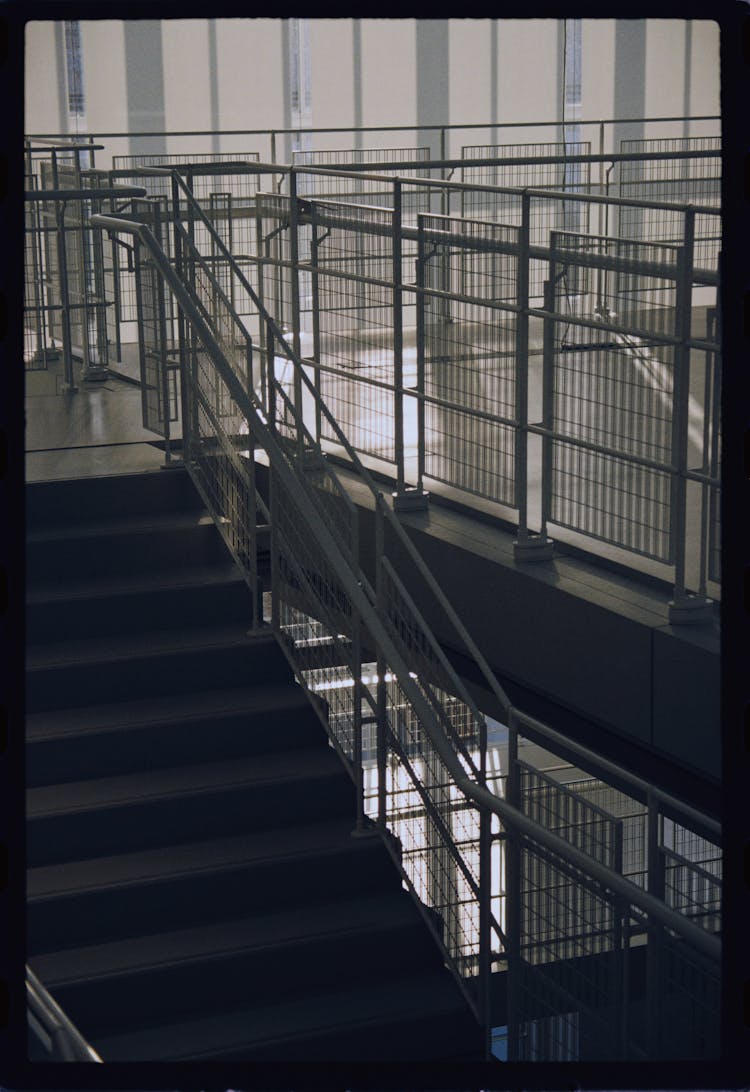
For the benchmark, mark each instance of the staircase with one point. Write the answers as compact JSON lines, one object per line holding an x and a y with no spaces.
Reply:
{"x":194,"y":888}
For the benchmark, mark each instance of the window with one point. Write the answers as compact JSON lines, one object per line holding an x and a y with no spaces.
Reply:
{"x":74,"y":67}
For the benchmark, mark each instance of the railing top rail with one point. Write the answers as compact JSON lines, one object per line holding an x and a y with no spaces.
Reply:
{"x":386,"y":128}
{"x":563,"y":195}
{"x":84,"y":195}
{"x":707,"y":943}
{"x":526,"y":160}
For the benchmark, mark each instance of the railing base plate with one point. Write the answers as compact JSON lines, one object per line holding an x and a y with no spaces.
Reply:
{"x":690,"y":610}
{"x":411,"y":500}
{"x":533,"y":548}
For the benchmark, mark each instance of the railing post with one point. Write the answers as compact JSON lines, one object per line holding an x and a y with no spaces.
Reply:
{"x":405,"y":498}
{"x":527,"y":546}
{"x":485,"y":903}
{"x":513,"y":908}
{"x":683,"y":608}
{"x":315,"y":294}
{"x":255,"y":588}
{"x":271,"y":376}
{"x":294,"y":292}
{"x":69,"y":386}
{"x":619,"y":952}
{"x":381,"y":692}
{"x":420,"y":335}
{"x":655,"y":879}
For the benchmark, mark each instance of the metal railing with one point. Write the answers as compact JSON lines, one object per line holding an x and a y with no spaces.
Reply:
{"x":445,"y":141}
{"x":420,"y":762}
{"x":504,"y":365}
{"x":51,"y":1031}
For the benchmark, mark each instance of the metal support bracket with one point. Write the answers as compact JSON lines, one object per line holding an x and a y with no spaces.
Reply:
{"x":411,"y":500}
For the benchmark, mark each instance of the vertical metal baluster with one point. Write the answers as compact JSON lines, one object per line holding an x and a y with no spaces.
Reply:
{"x":513,"y":914}
{"x":398,"y":341}
{"x":382,"y":741}
{"x":683,"y":607}
{"x":655,"y":931}
{"x":420,"y":335}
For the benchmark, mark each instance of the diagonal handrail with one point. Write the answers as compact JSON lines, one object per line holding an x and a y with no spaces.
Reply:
{"x":53,"y":1022}
{"x":362,"y":598}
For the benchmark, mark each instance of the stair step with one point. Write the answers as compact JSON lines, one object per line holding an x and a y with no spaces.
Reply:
{"x":99,"y":898}
{"x":117,"y":604}
{"x":124,"y":545}
{"x":151,"y":663}
{"x":166,"y":806}
{"x":108,"y":739}
{"x":411,"y":1018}
{"x":68,"y":501}
{"x":233,"y":962}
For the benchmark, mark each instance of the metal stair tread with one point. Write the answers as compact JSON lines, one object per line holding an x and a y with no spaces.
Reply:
{"x":192,"y":780}
{"x":125,"y":646}
{"x":161,"y":710}
{"x":189,"y":576}
{"x":368,"y":1004}
{"x":122,"y":524}
{"x":194,"y":944}
{"x":190,"y":859}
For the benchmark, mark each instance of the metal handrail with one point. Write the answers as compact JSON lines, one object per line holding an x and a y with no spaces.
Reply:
{"x":382,"y":128}
{"x":53,"y":1022}
{"x":362,"y":598}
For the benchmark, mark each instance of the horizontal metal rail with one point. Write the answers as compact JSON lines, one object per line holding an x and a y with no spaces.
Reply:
{"x":84,"y":195}
{"x":362,"y":598}
{"x":378,"y":128}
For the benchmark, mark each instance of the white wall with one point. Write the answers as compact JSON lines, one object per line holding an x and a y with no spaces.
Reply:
{"x":103,"y":45}
{"x":389,"y":86}
{"x":41,"y":79}
{"x":251,"y":79}
{"x":251,"y":69}
{"x":528,"y":82}
{"x":187,"y":87}
{"x":332,"y":79}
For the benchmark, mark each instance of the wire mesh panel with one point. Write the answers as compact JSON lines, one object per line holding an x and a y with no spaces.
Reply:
{"x":155,"y":312}
{"x":274,"y":249}
{"x":612,"y":391}
{"x":356,"y":190}
{"x":352,"y":261}
{"x":469,"y":355}
{"x":688,"y":1023}
{"x":685,"y":181}
{"x":239,"y":184}
{"x":567,"y":981}
{"x":38,"y":348}
{"x":547,"y":214}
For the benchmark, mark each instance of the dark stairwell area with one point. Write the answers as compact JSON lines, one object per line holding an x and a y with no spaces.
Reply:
{"x":195,"y":890}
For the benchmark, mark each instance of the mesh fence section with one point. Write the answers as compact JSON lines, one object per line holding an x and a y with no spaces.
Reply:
{"x":352,"y":254}
{"x":37,"y":348}
{"x":613,"y":391}
{"x":366,"y":191}
{"x":463,"y":724}
{"x":438,"y":831}
{"x":469,"y":354}
{"x":688,"y":1022}
{"x":158,"y":382}
{"x":546,"y":214}
{"x":686,"y":181}
{"x":220,"y":461}
{"x":570,"y":969}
